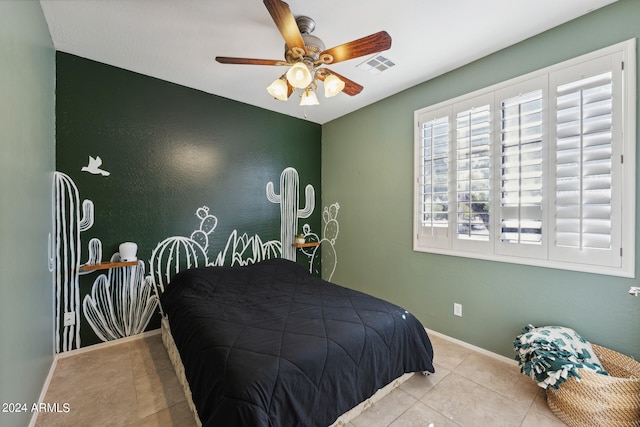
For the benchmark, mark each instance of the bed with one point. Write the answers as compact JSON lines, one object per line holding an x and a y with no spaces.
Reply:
{"x":271,"y":345}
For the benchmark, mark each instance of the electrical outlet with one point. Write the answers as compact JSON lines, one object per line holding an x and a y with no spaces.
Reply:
{"x":457,"y":309}
{"x":70,"y":318}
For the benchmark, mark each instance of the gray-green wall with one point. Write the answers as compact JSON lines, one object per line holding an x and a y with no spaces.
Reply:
{"x":367,"y":161}
{"x":27,"y":78}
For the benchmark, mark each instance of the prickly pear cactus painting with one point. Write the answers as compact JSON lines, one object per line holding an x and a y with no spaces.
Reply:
{"x":328,"y":256}
{"x":208,"y":224}
{"x":289,"y":210}
{"x":330,"y":232}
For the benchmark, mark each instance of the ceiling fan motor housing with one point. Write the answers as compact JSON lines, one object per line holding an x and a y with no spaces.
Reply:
{"x":312,"y":44}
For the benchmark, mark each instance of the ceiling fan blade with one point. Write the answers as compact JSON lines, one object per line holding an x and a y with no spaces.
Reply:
{"x":249,"y":61}
{"x":351,"y":88}
{"x":286,"y":23}
{"x":373,"y":43}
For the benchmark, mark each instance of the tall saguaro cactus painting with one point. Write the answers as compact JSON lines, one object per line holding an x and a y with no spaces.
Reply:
{"x":71,"y":219}
{"x":289,"y":211}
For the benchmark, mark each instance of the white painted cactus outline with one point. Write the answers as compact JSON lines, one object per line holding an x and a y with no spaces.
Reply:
{"x":330,"y":233}
{"x":69,"y":222}
{"x":122,"y":302}
{"x":289,"y":211}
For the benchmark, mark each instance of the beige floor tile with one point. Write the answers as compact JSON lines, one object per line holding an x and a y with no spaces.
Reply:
{"x":540,"y":405}
{"x":418,"y":385}
{"x":90,"y":371}
{"x":383,"y":412}
{"x":448,"y":354}
{"x":157,"y":391}
{"x":471,"y":404}
{"x":536,"y":419}
{"x":498,"y":376}
{"x":148,"y":355}
{"x":421,"y":415}
{"x":112,"y":404}
{"x":178,"y":415}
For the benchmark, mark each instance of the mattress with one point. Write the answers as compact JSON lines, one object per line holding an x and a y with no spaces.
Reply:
{"x":270,"y":344}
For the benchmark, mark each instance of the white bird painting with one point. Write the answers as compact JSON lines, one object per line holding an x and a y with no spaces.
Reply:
{"x":94,"y":167}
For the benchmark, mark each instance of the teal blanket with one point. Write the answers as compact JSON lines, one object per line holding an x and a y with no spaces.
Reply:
{"x":552,"y":354}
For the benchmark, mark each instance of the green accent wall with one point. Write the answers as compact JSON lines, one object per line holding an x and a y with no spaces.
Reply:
{"x":27,"y":162}
{"x":367,"y":161}
{"x":170,"y":150}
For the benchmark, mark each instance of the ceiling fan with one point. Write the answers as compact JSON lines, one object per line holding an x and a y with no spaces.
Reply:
{"x":306,"y":57}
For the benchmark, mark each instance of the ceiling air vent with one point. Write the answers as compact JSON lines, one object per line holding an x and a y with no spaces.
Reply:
{"x":377,"y":64}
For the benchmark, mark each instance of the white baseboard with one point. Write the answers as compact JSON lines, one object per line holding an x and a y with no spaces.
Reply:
{"x":43,"y":392}
{"x":473,"y":347}
{"x":106,"y":344}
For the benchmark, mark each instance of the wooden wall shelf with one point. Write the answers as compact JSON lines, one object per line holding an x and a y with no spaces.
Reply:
{"x":305,"y":245}
{"x":107,"y":265}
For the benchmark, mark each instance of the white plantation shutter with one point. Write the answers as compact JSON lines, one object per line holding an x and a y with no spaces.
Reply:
{"x":433,"y":178}
{"x":473,"y":173}
{"x":586,"y":207}
{"x":522,"y":111}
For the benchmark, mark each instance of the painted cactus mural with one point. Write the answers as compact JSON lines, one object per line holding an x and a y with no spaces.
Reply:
{"x":121,"y":302}
{"x":71,"y":218}
{"x":289,"y":212}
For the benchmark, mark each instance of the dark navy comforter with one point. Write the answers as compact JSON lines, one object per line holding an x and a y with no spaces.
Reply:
{"x":272,"y":345}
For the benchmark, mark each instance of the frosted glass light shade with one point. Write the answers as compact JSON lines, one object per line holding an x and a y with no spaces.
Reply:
{"x":278,"y":89}
{"x":309,"y":98}
{"x":299,"y":75}
{"x":332,"y":86}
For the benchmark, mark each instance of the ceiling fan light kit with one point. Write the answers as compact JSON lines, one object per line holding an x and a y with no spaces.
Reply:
{"x":306,"y":57}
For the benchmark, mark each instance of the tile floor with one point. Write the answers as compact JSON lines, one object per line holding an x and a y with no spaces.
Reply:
{"x":133,"y":384}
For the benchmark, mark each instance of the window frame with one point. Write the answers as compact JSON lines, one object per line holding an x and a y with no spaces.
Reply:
{"x":446,"y":242}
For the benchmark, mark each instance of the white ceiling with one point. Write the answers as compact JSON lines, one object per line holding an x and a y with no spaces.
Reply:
{"x":177,"y":40}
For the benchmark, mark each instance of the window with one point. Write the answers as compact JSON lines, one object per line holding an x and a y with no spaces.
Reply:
{"x":533,"y":170}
